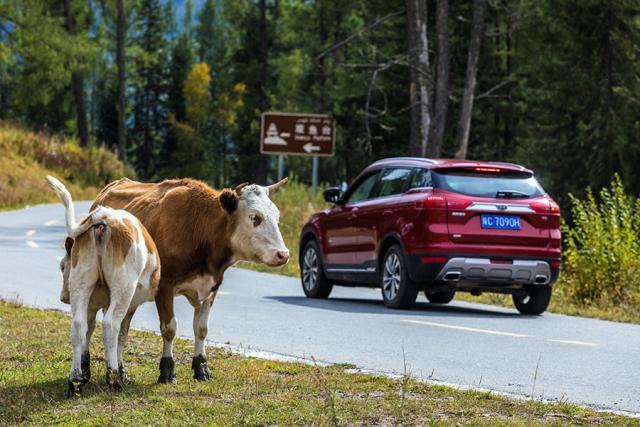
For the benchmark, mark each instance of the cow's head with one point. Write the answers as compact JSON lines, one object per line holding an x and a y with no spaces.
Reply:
{"x":255,"y":236}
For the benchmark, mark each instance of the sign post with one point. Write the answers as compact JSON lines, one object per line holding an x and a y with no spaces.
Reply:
{"x":311,"y":135}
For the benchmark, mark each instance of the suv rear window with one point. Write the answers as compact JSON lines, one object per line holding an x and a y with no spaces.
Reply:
{"x":511,"y":185}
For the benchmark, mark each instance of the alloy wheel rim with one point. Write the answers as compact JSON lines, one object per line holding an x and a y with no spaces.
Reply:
{"x":310,"y":269}
{"x":391,"y":276}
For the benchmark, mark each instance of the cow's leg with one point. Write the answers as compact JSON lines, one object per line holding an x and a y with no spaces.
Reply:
{"x":85,"y":362}
{"x":120,"y":299}
{"x":80,"y":296}
{"x":168,"y":326}
{"x":200,"y":329}
{"x":122,"y":342}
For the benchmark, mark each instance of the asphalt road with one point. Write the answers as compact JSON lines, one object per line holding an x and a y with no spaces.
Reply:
{"x":585,"y":361}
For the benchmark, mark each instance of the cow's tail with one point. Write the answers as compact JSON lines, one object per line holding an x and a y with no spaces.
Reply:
{"x":65,"y":198}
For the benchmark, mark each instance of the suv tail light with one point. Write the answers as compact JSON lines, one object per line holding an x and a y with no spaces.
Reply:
{"x":545,"y":207}
{"x":433,"y":202}
{"x":443,"y":202}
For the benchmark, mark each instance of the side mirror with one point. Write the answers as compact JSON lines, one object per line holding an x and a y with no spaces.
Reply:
{"x":332,"y":195}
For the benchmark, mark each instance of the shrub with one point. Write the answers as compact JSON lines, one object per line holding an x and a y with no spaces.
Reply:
{"x":601,"y":257}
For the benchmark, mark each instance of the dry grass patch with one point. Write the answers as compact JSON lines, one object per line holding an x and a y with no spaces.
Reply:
{"x":27,"y":157}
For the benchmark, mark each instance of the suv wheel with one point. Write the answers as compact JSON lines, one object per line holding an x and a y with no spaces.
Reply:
{"x":535,"y":302}
{"x":398,"y":291}
{"x":441,"y":297}
{"x":314,"y":282}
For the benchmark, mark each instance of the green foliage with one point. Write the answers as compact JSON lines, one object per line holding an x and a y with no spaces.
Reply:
{"x":42,"y":55}
{"x":602,"y":253}
{"x":150,"y":80}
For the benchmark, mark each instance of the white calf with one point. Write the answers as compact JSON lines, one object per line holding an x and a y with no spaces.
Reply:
{"x":111,"y":264}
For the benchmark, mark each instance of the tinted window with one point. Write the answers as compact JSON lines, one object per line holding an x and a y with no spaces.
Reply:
{"x":391,"y":182}
{"x":363,"y":190}
{"x":421,"y":178}
{"x":508,"y":184}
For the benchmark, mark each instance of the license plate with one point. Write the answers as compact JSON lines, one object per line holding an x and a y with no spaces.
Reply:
{"x":502,"y":222}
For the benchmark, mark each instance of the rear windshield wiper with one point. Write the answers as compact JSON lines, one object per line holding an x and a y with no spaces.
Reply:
{"x":511,"y":194}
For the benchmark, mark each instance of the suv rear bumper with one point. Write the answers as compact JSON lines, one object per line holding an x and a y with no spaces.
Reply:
{"x":480,"y":270}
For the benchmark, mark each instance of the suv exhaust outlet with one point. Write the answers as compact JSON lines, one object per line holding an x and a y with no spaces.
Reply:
{"x":452,"y":276}
{"x":540,"y":279}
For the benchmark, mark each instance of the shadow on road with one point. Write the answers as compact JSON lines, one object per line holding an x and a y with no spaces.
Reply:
{"x":355,"y":305}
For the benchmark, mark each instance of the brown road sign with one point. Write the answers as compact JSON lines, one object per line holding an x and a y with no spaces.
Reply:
{"x":297,"y":134}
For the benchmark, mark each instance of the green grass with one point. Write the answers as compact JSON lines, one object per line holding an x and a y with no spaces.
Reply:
{"x":35,"y":359}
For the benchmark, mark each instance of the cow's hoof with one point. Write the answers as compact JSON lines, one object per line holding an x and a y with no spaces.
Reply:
{"x":123,"y":374}
{"x":114,"y":380}
{"x":74,"y":389}
{"x":85,"y":365}
{"x":167,"y":371}
{"x":201,"y":371}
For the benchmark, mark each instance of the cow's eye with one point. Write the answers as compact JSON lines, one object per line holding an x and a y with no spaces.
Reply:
{"x":257,"y":220}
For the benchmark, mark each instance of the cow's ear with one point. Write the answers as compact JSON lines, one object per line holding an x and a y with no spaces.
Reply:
{"x":68,"y":244}
{"x":228,"y":200}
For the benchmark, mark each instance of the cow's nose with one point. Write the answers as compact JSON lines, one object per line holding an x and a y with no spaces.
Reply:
{"x":282,"y":256}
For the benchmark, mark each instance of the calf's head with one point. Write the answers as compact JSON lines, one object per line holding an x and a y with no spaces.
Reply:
{"x":255,"y":236}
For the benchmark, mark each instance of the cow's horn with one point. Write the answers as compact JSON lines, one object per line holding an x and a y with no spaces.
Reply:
{"x":274,"y":187}
{"x":239,"y":188}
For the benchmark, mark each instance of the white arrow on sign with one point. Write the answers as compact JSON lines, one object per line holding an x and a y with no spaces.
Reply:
{"x":309,"y":147}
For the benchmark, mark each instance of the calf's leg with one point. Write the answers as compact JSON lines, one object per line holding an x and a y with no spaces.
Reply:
{"x":121,"y":291}
{"x":80,"y":297}
{"x":122,"y":341}
{"x":85,"y":362}
{"x":201,"y":312}
{"x":168,"y":326}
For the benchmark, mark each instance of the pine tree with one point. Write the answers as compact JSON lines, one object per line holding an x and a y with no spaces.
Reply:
{"x":150,"y":119}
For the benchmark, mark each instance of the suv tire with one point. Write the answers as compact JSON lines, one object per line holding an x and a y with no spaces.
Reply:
{"x":535,"y":302}
{"x":314,"y":282}
{"x":398,"y":291}
{"x":441,"y":297}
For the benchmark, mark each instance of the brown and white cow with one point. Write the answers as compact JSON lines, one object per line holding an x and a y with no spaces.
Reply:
{"x":199,"y":233}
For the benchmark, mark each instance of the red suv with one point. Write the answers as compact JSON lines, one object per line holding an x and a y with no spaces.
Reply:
{"x":442,"y":226}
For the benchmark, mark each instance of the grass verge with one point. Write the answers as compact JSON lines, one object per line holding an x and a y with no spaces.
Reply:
{"x":35,"y":360}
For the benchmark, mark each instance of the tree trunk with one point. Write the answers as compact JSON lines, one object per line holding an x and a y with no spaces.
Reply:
{"x":418,"y":77}
{"x":122,"y":103}
{"x":442,"y":79}
{"x":77,"y":83}
{"x":261,"y":170}
{"x":466,"y":107}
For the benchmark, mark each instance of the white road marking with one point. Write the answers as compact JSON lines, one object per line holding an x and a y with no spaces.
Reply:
{"x":464,"y":328}
{"x":583,"y":343}
{"x":50,"y":222}
{"x":30,"y":232}
{"x":32,"y":244}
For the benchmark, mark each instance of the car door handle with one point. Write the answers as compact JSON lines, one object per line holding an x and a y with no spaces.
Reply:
{"x":386,"y":214}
